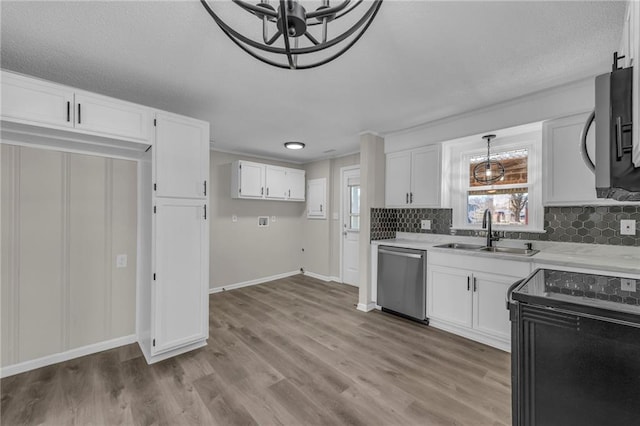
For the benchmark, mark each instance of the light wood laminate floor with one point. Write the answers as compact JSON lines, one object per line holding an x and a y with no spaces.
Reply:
{"x":291,"y":352}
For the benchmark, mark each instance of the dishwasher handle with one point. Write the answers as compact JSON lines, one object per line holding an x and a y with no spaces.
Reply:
{"x":400,"y":253}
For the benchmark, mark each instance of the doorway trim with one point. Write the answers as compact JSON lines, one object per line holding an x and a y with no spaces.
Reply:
{"x":342,"y":218}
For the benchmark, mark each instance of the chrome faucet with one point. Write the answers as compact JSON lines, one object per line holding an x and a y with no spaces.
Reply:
{"x":486,"y":224}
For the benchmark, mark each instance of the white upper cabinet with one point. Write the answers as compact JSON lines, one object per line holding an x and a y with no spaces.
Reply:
{"x":398,"y":179}
{"x":32,"y":101}
{"x":247,"y":179}
{"x":27,"y":100}
{"x":181,"y":156}
{"x":275,"y":182}
{"x":110,"y":116}
{"x":566,"y":178}
{"x":296,"y":183}
{"x":413,"y":178}
{"x":266,"y":182}
{"x":426,"y":176}
{"x":317,"y":198}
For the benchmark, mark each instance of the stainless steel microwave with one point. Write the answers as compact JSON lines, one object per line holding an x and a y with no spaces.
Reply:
{"x":616,"y":175}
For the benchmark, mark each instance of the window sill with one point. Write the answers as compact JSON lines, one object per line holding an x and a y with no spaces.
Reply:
{"x":498,"y":228}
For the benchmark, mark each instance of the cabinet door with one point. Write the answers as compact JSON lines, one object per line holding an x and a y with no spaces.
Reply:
{"x":398,"y":179}
{"x":449,"y":295}
{"x":490,"y":315}
{"x":181,"y":153}
{"x":275,"y":182}
{"x":181,"y":274}
{"x":317,"y":198}
{"x":33,"y":101}
{"x":251,"y":179}
{"x":425,"y":177}
{"x":112,"y":117}
{"x":567,"y":180}
{"x":296,"y":184}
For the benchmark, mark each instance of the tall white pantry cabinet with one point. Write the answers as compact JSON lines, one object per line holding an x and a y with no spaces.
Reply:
{"x":173,"y":310}
{"x":172,"y":155}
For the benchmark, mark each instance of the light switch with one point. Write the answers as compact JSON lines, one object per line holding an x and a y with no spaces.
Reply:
{"x":425,"y":224}
{"x":234,"y":218}
{"x":627,"y":227}
{"x":121,"y":261}
{"x":273,"y":219}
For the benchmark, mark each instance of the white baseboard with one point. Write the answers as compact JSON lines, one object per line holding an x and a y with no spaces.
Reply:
{"x":152,"y":359}
{"x":366,"y":307}
{"x":319,"y":276}
{"x":21,"y":367}
{"x":252,"y":282}
{"x":471,"y":335}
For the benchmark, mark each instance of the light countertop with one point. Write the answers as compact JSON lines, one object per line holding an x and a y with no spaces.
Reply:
{"x":607,"y":258}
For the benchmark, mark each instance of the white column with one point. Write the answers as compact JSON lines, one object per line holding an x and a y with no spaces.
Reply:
{"x":372,"y":164}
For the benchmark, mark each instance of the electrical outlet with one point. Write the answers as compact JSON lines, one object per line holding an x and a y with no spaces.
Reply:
{"x":425,"y":224}
{"x":234,"y":218}
{"x":121,"y":261}
{"x":628,"y":284}
{"x":627,"y":227}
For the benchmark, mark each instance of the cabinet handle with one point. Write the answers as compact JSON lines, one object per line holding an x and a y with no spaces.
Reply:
{"x":468,"y":283}
{"x":262,"y":190}
{"x":205,"y":212}
{"x":320,"y":207}
{"x":411,"y":198}
{"x":267,"y":191}
{"x":68,"y":111}
{"x":289,"y":193}
{"x":79,"y":114}
{"x":406,"y":198}
{"x":205,"y":187}
{"x":475,"y":284}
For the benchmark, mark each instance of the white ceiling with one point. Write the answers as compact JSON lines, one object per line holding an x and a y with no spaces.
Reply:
{"x":418,"y":62}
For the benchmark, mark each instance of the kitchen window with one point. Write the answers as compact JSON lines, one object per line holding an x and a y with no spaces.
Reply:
{"x":508,"y":197}
{"x":515,"y":201}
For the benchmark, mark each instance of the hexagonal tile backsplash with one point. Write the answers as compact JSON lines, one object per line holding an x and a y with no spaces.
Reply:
{"x":583,"y":224}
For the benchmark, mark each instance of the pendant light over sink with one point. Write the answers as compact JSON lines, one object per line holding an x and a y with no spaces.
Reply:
{"x":488,"y":171}
{"x":289,"y":31}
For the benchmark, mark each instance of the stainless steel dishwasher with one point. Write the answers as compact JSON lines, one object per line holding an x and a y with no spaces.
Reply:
{"x":402,"y":277}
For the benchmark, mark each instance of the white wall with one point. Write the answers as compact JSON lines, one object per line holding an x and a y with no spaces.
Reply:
{"x":241,"y":251}
{"x":65,"y":217}
{"x":557,"y":102}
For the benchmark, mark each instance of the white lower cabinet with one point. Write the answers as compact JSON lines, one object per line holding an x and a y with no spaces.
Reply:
{"x":448,"y":294}
{"x":181,"y":274}
{"x":471,"y":301}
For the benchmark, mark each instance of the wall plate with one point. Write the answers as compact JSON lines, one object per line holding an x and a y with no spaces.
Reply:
{"x":627,"y":227}
{"x":263,"y":221}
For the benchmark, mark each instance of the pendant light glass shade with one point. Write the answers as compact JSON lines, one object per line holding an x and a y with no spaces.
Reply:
{"x":285,"y":31}
{"x":488,"y":171}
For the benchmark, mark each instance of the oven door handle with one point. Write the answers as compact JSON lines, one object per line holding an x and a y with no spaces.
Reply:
{"x":510,"y":290}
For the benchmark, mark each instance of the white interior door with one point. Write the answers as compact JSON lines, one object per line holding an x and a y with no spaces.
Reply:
{"x":350,"y":226}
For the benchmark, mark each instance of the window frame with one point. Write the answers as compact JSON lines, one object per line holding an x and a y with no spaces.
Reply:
{"x":462,"y":154}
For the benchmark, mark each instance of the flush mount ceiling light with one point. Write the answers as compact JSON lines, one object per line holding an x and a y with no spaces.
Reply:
{"x":488,"y":171}
{"x":306,"y":32}
{"x":294,"y":145}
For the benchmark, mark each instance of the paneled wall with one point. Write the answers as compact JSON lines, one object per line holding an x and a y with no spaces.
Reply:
{"x":65,"y":217}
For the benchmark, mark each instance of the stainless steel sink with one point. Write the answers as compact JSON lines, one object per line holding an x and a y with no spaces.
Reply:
{"x":461,"y":246}
{"x":510,"y":250}
{"x":478,"y":247}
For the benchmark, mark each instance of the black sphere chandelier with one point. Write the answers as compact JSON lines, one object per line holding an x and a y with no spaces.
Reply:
{"x":488,"y":171}
{"x":290,"y":31}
